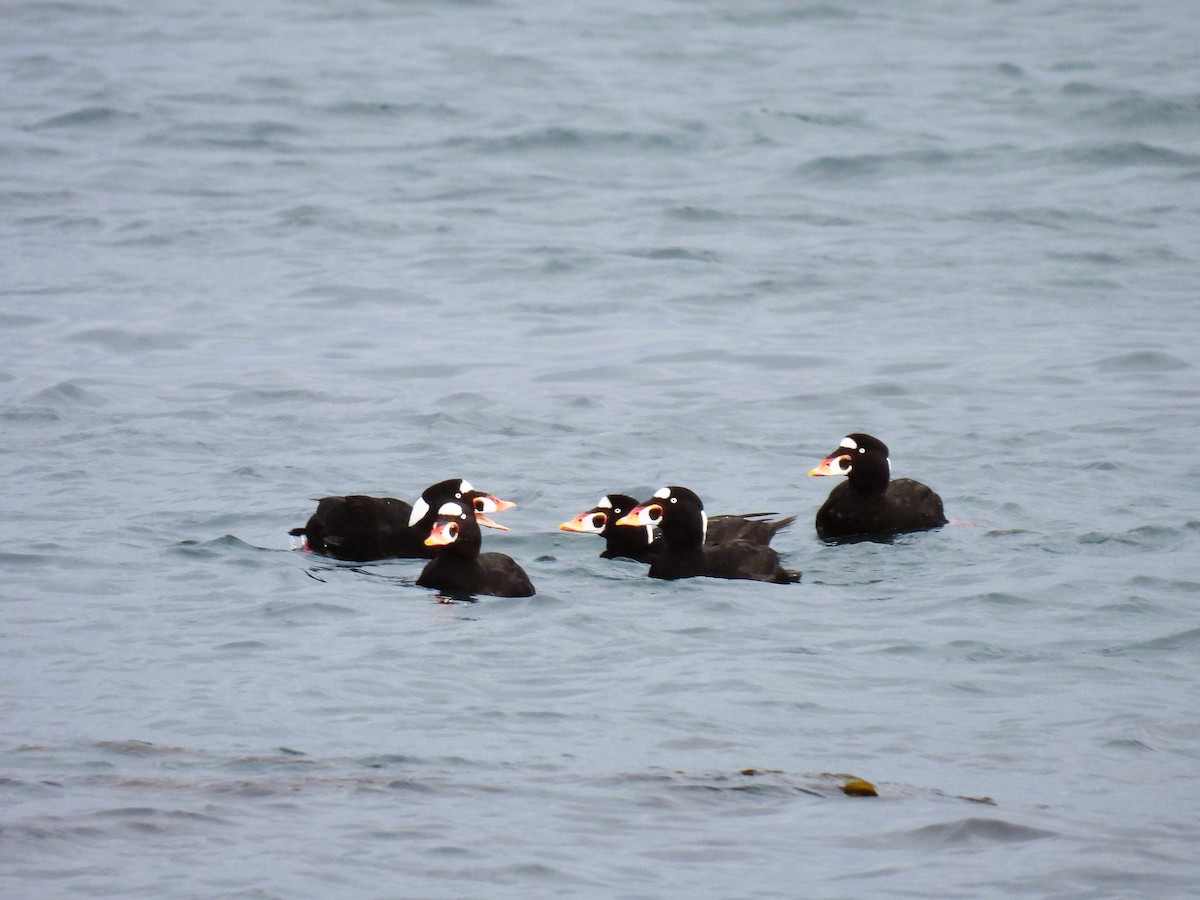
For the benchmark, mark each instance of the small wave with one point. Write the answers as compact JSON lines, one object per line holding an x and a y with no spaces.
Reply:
{"x":241,"y":647}
{"x":1095,"y":258}
{"x":87,"y":116}
{"x":1172,"y":585}
{"x":1049,"y":217}
{"x":132,"y":747}
{"x":19,"y":320}
{"x":1130,"y":153}
{"x":782,"y":15}
{"x":30,"y":560}
{"x":29,"y":417}
{"x":308,"y":611}
{"x":1141,"y":110}
{"x":696,"y":214}
{"x":214,"y":547}
{"x":886,"y":389}
{"x":839,"y":120}
{"x":121,"y":340}
{"x":590,"y":375}
{"x":277,"y":395}
{"x":381,"y":109}
{"x":262,"y":135}
{"x":1180,"y":640}
{"x":673,"y":253}
{"x":872,"y":165}
{"x":69,"y":393}
{"x":1142,"y":361}
{"x":998,"y":598}
{"x":562,"y":138}
{"x":973,"y":830}
{"x":1150,"y":537}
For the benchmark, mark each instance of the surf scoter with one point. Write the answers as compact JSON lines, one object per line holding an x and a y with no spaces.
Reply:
{"x":679,"y":515}
{"x":869,"y":503}
{"x":360,"y":529}
{"x":638,"y":542}
{"x":459,"y":568}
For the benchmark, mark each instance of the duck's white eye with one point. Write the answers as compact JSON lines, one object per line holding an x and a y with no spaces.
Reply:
{"x":663,"y":493}
{"x":674,"y":499}
{"x":419,"y":511}
{"x":862,"y":449}
{"x":849,"y":443}
{"x":450,"y":509}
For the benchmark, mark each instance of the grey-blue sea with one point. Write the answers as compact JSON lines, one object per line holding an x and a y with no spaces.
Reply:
{"x":252,"y":254}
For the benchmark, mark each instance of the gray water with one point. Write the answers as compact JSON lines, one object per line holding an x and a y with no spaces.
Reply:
{"x":254,"y":254}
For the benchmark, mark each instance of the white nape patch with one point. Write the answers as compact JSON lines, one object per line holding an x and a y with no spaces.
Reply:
{"x":605,"y":503}
{"x":420,"y":508}
{"x":464,"y":487}
{"x":848,"y":443}
{"x":452,"y":509}
{"x":663,"y":493}
{"x":703,"y":526}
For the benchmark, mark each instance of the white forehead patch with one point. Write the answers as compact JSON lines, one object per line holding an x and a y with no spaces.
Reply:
{"x":465,"y":487}
{"x":848,"y":443}
{"x":420,"y":508}
{"x":605,"y":503}
{"x":663,"y":493}
{"x":452,"y":509}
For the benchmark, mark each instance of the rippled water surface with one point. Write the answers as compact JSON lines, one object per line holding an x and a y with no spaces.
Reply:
{"x":258,"y":254}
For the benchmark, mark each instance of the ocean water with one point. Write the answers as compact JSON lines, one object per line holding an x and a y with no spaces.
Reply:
{"x":255,"y":254}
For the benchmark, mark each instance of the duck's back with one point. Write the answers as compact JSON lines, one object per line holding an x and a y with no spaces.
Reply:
{"x":746,"y":560}
{"x":361,"y":528}
{"x":736,"y":559}
{"x":492,"y":574}
{"x":754,"y":527}
{"x":503,"y":576}
{"x":906,"y":505}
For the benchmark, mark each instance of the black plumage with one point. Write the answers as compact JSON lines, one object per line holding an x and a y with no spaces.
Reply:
{"x":459,"y":568}
{"x":679,"y":515}
{"x":870,"y":503}
{"x":361,"y":529}
{"x":640,"y":542}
